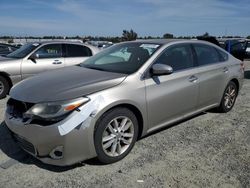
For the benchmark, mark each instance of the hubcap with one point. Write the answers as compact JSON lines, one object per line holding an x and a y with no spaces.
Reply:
{"x":117,"y":136}
{"x":1,"y":87}
{"x":230,"y":96}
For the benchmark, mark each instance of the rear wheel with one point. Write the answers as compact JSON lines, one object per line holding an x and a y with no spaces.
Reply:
{"x":115,"y":135}
{"x":4,"y":87}
{"x":229,"y":97}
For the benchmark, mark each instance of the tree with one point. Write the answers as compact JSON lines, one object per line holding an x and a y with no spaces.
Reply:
{"x":168,"y":36}
{"x":248,"y":37}
{"x":129,"y":35}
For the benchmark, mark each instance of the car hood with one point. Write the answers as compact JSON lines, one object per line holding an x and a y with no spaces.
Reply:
{"x":63,"y":84}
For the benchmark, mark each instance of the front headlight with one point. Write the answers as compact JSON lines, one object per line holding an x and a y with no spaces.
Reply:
{"x":53,"y":110}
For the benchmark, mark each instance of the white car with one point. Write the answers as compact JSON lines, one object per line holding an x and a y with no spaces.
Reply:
{"x":37,"y":57}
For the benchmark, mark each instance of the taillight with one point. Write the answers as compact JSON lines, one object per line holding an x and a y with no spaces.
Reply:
{"x":242,"y":66}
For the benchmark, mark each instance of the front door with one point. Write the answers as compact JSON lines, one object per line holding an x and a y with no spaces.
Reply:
{"x":171,"y":96}
{"x":46,"y":58}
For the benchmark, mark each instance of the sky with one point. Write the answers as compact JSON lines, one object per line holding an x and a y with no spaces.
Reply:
{"x":111,"y":17}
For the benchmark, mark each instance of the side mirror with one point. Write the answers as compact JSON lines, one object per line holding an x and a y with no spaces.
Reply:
{"x":161,"y":69}
{"x":33,"y":57}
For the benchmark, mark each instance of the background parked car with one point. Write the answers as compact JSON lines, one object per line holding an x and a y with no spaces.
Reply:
{"x":17,"y":45}
{"x":38,"y":57}
{"x":237,"y":47}
{"x":6,"y":49}
{"x":248,"y":49}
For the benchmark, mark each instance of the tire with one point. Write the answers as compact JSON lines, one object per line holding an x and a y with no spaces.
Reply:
{"x":115,"y":135}
{"x":4,"y":87}
{"x":228,"y":100}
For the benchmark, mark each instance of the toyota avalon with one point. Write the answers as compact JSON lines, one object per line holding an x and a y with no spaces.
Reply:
{"x":102,"y":106}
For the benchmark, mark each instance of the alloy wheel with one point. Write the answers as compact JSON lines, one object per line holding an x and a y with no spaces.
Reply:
{"x":230,"y":96}
{"x":117,"y":136}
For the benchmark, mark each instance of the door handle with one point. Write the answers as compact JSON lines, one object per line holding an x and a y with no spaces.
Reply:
{"x":225,"y":70}
{"x":193,"y":79}
{"x":56,"y":62}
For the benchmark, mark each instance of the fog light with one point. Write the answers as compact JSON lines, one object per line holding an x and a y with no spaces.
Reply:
{"x":57,"y":153}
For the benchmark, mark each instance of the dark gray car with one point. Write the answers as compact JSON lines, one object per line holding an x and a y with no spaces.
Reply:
{"x":101,"y":107}
{"x":5,"y":49}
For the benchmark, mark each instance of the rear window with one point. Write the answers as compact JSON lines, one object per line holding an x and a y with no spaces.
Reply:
{"x":74,"y":50}
{"x":223,"y":55}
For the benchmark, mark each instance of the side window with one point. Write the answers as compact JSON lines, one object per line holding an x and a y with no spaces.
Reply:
{"x":74,"y":50}
{"x":179,"y":57}
{"x":206,"y":54}
{"x":50,"y":51}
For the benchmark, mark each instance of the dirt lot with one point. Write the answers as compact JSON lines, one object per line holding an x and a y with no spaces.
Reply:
{"x":210,"y":150}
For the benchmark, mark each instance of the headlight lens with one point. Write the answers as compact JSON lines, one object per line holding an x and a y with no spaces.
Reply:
{"x":52,"y":110}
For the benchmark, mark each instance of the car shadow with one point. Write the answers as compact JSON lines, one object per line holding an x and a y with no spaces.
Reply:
{"x":247,"y":74}
{"x":10,"y":148}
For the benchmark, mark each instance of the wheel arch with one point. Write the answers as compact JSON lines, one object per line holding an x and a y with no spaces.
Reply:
{"x":131,"y":107}
{"x":235,"y":80}
{"x":7,"y":77}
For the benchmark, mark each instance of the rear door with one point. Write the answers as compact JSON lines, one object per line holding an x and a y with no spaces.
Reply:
{"x":76,"y":54}
{"x":172,"y":96}
{"x":212,"y":73}
{"x":47,"y":57}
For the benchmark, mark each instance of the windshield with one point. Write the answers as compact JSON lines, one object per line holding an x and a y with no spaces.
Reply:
{"x":23,"y":51}
{"x":124,"y":58}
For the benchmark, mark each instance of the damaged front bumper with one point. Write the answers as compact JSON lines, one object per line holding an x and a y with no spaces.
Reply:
{"x":49,"y":145}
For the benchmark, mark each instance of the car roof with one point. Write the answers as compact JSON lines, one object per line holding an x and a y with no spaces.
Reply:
{"x":166,"y":41}
{"x":55,"y":41}
{"x":158,"y":41}
{"x":62,"y":42}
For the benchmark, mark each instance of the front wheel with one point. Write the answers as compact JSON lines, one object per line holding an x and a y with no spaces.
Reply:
{"x":115,"y":135}
{"x":229,"y":97}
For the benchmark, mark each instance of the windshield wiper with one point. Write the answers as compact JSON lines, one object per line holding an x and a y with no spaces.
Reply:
{"x":95,"y":68}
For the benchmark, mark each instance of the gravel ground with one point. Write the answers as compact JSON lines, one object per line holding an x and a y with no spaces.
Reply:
{"x":210,"y":150}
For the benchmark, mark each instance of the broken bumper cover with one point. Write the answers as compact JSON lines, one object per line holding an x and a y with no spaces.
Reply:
{"x":45,"y":141}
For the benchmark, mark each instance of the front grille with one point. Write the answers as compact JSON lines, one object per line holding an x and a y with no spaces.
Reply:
{"x":17,"y":108}
{"x":26,"y":145}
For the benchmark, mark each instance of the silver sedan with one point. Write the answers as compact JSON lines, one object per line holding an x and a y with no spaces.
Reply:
{"x":38,"y":57}
{"x":131,"y":89}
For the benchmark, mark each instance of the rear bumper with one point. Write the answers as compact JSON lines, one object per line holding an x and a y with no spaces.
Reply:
{"x":41,"y":141}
